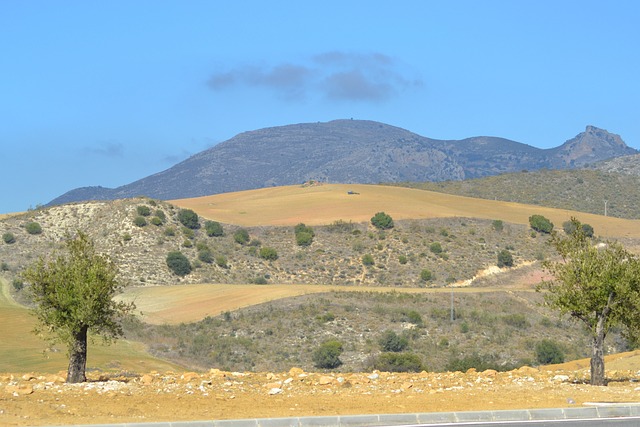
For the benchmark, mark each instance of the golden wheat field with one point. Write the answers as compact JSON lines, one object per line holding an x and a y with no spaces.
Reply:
{"x":323,"y":204}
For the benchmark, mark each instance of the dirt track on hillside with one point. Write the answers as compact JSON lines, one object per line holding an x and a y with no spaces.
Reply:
{"x":46,"y":400}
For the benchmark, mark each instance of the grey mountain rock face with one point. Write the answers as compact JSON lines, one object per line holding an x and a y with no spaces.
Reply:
{"x":350,"y":151}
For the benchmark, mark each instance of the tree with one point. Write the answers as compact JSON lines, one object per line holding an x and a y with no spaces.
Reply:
{"x":505,"y":259}
{"x":178,"y":263}
{"x":540,"y":224}
{"x":73,"y":295}
{"x":382,"y":221}
{"x":188,"y":218}
{"x":569,"y":227}
{"x":598,"y":285}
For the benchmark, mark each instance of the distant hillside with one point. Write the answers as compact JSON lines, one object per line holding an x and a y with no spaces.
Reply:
{"x":578,"y":190}
{"x":627,"y":165}
{"x":350,"y":151}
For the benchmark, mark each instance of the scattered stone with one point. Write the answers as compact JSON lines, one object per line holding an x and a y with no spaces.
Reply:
{"x":146,"y":379}
{"x":275,"y":390}
{"x":325,"y":379}
{"x":374,"y":376}
{"x":294,"y":372}
{"x":189,"y":376}
{"x":560,"y":378}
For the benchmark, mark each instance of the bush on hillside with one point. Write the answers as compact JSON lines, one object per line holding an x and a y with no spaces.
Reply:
{"x":241,"y":236}
{"x":189,"y":218}
{"x":569,"y":228}
{"x":327,"y":356}
{"x":178,"y":263}
{"x":213,"y":228}
{"x":390,"y":341}
{"x":548,"y":352}
{"x":398,"y":362}
{"x":140,"y":221}
{"x":540,"y":224}
{"x":426,"y":275}
{"x":9,"y":238}
{"x":436,"y":248}
{"x":497,"y":225}
{"x":269,"y":254}
{"x":304,"y":235}
{"x":367,"y":260}
{"x":505,"y":259}
{"x":33,"y":228}
{"x":382,"y":221}
{"x":143,"y":210}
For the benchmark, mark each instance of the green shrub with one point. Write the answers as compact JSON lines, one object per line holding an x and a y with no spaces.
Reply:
{"x":17,"y":284}
{"x":33,"y":228}
{"x":436,"y":248}
{"x":178,"y":263}
{"x":221,"y":261}
{"x":205,"y":255}
{"x":516,"y":320}
{"x":398,"y":362}
{"x":341,"y":226}
{"x":170,"y":231}
{"x":126,"y":237}
{"x":402,"y":259}
{"x":540,"y":224}
{"x":143,"y":210}
{"x":548,"y":352}
{"x":327,"y":356}
{"x":390,"y":341}
{"x":569,"y":227}
{"x":160,"y":214}
{"x":4,"y":266}
{"x":382,"y":221}
{"x":188,"y":233}
{"x":367,"y":260}
{"x":477,"y":362}
{"x":188,"y":218}
{"x":140,"y":221}
{"x":156,"y":221}
{"x":259,"y":280}
{"x":505,"y":259}
{"x":241,"y":236}
{"x":497,"y":225}
{"x":270,"y":254}
{"x":304,"y":239}
{"x":9,"y":238}
{"x":426,"y":275}
{"x":213,"y":229}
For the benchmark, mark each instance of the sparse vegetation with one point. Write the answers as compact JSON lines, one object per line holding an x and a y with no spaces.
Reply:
{"x":143,"y":210}
{"x":549,"y":352}
{"x":540,"y":224}
{"x":241,"y":236}
{"x":139,"y":221}
{"x":268,"y":253}
{"x":304,"y":235}
{"x":398,"y":362}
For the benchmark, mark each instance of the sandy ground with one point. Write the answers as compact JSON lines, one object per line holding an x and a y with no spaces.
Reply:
{"x":32,"y":400}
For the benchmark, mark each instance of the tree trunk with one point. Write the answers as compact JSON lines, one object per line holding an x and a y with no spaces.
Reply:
{"x":597,"y":355}
{"x":78,"y":358}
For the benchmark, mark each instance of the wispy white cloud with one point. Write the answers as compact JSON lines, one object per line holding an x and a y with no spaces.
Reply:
{"x":335,"y":75}
{"x":106,"y":149}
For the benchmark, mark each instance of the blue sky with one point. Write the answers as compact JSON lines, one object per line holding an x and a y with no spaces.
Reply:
{"x":108,"y":92}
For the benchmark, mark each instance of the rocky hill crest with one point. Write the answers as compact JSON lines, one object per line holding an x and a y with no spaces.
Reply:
{"x":350,"y":151}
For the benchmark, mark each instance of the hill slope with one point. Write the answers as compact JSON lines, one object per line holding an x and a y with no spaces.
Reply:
{"x":350,"y":151}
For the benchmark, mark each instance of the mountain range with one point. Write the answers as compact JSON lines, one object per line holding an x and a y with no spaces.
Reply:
{"x":351,"y":151}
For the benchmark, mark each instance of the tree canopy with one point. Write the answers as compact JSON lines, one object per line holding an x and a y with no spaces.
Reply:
{"x":73,"y":294}
{"x":598,"y":285}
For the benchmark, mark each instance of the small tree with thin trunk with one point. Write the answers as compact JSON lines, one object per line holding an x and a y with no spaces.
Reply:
{"x":599,"y":285}
{"x":73,"y":296}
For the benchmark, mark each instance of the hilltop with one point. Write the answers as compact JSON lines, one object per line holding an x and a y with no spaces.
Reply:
{"x":351,"y":151}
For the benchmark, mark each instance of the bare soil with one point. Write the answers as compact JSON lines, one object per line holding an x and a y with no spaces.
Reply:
{"x":32,"y":400}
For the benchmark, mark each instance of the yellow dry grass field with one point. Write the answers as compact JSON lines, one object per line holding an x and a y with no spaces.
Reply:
{"x":191,"y":303}
{"x":323,"y":204}
{"x":22,"y":351}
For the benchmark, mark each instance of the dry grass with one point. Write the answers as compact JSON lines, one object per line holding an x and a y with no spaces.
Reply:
{"x":321,"y":205}
{"x":192,"y":303}
{"x":22,"y":351}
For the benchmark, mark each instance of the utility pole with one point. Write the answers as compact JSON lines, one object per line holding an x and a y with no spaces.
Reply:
{"x":605,"y":207}
{"x":452,"y":311}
